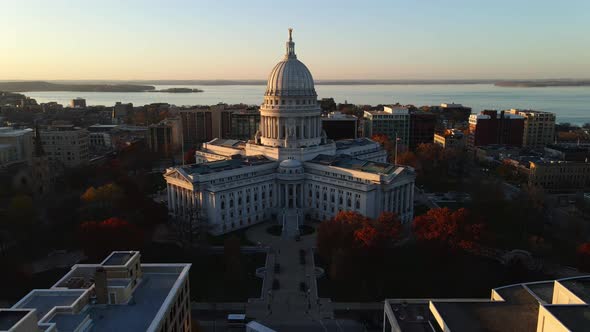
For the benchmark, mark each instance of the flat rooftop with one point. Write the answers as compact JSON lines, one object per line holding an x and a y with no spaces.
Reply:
{"x":11,"y":132}
{"x":353,"y":142}
{"x":10,"y":317}
{"x":225,"y":165}
{"x":345,"y":161}
{"x":578,"y":286}
{"x":573,"y":317}
{"x":414,"y":317}
{"x":148,"y":297}
{"x":543,"y":290}
{"x":118,"y":258}
{"x":489,"y":316}
{"x":230,"y":143}
{"x":46,"y":299}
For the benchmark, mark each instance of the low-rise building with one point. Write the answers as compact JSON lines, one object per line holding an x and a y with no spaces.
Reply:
{"x":100,"y":136}
{"x":560,"y":175}
{"x":544,"y":306}
{"x":568,"y":151}
{"x":66,"y":145}
{"x":119,"y":294}
{"x":490,"y":153}
{"x":451,"y":138}
{"x":339,"y":126}
{"x":450,"y":115}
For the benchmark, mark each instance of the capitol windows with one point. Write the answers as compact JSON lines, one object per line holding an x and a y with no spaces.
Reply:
{"x":231,"y":203}
{"x":340,"y":200}
{"x":239,"y":200}
{"x":349,"y":203}
{"x":222,"y":205}
{"x":325,"y":197}
{"x":358,"y":205}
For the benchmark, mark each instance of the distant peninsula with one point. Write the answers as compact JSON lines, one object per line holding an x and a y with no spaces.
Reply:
{"x":178,"y":90}
{"x":542,"y":83}
{"x":46,"y":86}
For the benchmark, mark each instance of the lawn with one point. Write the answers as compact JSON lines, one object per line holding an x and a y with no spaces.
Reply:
{"x":414,"y":272}
{"x":210,"y":280}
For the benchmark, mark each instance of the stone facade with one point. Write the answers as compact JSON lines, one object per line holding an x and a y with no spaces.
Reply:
{"x":290,"y":167}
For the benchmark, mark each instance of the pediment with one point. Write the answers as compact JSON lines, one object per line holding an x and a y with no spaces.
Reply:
{"x":177,"y":174}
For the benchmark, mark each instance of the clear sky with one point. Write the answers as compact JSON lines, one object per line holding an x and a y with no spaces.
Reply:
{"x":340,"y":39}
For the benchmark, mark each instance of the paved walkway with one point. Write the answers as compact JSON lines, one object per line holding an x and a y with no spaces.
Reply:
{"x":288,"y":303}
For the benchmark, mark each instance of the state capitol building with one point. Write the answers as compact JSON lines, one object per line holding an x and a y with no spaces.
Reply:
{"x":289,"y":170}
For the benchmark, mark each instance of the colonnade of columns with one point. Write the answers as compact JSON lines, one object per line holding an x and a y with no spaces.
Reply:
{"x":275,"y":127}
{"x":291,"y":195}
{"x":400,"y":199}
{"x":181,"y":201}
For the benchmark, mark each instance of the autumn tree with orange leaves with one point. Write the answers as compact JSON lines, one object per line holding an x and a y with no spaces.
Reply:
{"x":350,"y":230}
{"x":447,"y":228}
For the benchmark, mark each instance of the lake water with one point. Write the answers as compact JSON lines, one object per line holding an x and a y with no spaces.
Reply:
{"x":571,"y":104}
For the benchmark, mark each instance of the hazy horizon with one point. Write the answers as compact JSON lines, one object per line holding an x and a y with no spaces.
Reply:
{"x":338,"y":40}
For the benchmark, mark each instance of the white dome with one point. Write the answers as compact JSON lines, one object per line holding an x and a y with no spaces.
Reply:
{"x":290,"y":163}
{"x":290,"y":77}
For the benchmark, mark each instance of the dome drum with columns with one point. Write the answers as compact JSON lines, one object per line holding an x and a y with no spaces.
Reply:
{"x":290,"y":169}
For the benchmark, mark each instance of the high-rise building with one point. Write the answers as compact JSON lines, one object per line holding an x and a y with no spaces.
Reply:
{"x":165,"y":137}
{"x":489,"y":127}
{"x":244,"y":124}
{"x":120,"y":112}
{"x":119,"y":294}
{"x":78,"y":103}
{"x":16,"y":145}
{"x":200,"y":125}
{"x":66,"y":145}
{"x":539,"y":127}
{"x":422,"y":125}
{"x":542,"y":306}
{"x":393,"y":121}
{"x":338,"y":125}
